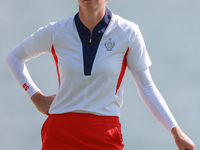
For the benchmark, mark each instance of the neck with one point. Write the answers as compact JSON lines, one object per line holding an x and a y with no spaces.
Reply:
{"x":91,"y":18}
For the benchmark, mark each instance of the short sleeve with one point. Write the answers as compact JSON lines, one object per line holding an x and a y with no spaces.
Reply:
{"x":137,"y":57}
{"x":40,"y":42}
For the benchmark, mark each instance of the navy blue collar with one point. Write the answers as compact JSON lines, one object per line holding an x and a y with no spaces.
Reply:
{"x":98,"y":31}
{"x":90,"y":46}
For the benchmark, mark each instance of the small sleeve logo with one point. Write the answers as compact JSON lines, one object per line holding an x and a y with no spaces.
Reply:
{"x":25,"y":86}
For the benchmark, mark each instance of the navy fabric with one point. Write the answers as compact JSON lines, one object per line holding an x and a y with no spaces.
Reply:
{"x":90,"y":49}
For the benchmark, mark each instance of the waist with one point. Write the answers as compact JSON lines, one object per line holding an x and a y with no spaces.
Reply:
{"x":84,"y":117}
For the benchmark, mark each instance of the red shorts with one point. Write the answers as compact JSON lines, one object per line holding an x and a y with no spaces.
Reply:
{"x":79,"y":131}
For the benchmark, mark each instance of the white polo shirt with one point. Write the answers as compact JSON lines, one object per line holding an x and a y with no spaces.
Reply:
{"x":90,"y":71}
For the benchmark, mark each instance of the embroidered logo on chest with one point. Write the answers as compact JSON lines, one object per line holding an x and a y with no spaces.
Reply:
{"x":110,"y":44}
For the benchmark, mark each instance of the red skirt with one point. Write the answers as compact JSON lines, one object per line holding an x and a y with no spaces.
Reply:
{"x":79,"y":131}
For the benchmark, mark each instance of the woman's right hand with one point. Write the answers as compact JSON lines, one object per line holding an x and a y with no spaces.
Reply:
{"x":183,"y":142}
{"x":42,"y":102}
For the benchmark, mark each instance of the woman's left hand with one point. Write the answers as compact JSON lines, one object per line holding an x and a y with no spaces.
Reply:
{"x":183,"y":142}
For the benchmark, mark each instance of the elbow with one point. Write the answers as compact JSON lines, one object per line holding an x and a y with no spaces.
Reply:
{"x":11,"y":60}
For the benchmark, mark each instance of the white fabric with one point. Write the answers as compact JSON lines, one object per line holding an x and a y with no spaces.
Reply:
{"x":153,"y":99}
{"x":145,"y":85}
{"x":16,"y":64}
{"x":96,"y":93}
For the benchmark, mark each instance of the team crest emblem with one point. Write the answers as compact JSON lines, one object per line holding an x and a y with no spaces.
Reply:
{"x":110,"y":44}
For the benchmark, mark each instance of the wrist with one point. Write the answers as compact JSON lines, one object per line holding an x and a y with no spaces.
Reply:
{"x":37,"y":97}
{"x":175,"y":131}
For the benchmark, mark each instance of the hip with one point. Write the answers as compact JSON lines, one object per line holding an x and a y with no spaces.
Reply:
{"x":82,"y":131}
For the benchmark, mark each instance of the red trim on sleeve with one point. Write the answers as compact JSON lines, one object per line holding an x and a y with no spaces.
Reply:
{"x":56,"y":61}
{"x":124,"y":64}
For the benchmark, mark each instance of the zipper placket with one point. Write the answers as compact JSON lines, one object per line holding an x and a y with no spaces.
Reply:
{"x":90,"y":42}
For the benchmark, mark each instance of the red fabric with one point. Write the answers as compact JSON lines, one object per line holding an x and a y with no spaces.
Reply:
{"x":122,"y":71}
{"x":56,"y":61}
{"x":77,"y":131}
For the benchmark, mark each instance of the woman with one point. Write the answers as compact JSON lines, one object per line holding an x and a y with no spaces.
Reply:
{"x":91,"y":52}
